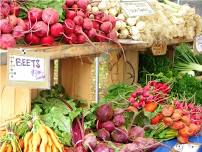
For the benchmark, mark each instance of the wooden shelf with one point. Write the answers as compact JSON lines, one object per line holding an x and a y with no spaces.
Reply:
{"x":76,"y":50}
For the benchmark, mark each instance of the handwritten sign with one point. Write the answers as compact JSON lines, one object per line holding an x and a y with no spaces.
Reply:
{"x":136,"y":8}
{"x":159,"y":48}
{"x":198,"y":44}
{"x":28,"y":69}
{"x":190,"y":147}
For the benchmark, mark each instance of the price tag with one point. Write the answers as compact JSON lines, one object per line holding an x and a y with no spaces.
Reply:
{"x":159,"y":48}
{"x":136,"y":8}
{"x":28,"y":69}
{"x":198,"y":44}
{"x":190,"y":147}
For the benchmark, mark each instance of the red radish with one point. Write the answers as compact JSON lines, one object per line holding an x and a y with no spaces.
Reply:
{"x":15,"y":9}
{"x":109,"y":126}
{"x":22,"y":23}
{"x":87,"y":24}
{"x":119,"y":120}
{"x":5,"y":26}
{"x":13,"y":20}
{"x":5,"y":9}
{"x":71,"y":38}
{"x":31,"y":38}
{"x":50,"y":16}
{"x":1,"y":16}
{"x":78,"y":20}
{"x":18,"y":32}
{"x":41,"y":29}
{"x":34,"y":14}
{"x":101,"y":37}
{"x":48,"y":40}
{"x":7,"y":41}
{"x":69,"y":3}
{"x":81,"y":39}
{"x":82,"y":4}
{"x":92,"y":33}
{"x":56,"y":30}
{"x":75,"y":7}
{"x":103,"y":134}
{"x":104,"y":112}
{"x":106,"y":27}
{"x":81,"y":13}
{"x":70,"y":14}
{"x":96,"y":25}
{"x":112,"y":20}
{"x":112,"y":35}
{"x":69,"y":26}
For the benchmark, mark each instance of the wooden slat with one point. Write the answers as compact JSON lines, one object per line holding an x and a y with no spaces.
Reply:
{"x":12,"y":100}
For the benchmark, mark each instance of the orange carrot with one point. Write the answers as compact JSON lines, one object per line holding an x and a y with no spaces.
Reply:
{"x":150,"y":107}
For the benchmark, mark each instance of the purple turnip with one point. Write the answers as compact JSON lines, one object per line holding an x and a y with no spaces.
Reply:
{"x":119,"y":120}
{"x":109,"y":126}
{"x":102,"y":148}
{"x":135,"y":132}
{"x":120,"y":135}
{"x":90,"y":141}
{"x":104,"y":112}
{"x":103,"y":134}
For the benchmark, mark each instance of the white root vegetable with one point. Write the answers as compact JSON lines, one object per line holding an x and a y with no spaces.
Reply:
{"x":124,"y":34}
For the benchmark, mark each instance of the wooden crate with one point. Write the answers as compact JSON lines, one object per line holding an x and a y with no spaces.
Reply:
{"x":76,"y":73}
{"x":13,"y":100}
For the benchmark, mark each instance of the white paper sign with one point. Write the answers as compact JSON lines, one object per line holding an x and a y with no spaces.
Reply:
{"x":28,"y":70}
{"x":24,"y":68}
{"x":190,"y":147}
{"x":136,"y":8}
{"x":198,"y":44}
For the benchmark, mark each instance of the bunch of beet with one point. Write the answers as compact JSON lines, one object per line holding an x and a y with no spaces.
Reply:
{"x":153,"y":92}
{"x":177,"y":119}
{"x":11,"y":27}
{"x":81,"y":26}
{"x":43,"y":26}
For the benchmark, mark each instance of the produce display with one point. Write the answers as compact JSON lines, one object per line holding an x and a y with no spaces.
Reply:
{"x":164,"y":104}
{"x":80,"y":21}
{"x":169,"y":21}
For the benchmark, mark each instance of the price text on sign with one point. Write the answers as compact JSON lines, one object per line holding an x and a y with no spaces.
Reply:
{"x":28,"y":70}
{"x":137,"y":8}
{"x":198,"y":44}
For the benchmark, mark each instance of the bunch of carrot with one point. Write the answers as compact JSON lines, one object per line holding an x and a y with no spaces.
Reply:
{"x":41,"y":138}
{"x":9,"y":141}
{"x":177,"y":120}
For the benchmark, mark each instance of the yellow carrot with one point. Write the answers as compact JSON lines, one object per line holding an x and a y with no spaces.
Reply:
{"x":26,"y":140}
{"x":54,"y":138}
{"x":3,"y":147}
{"x":54,"y":149}
{"x":50,"y":141}
{"x":30,"y":145}
{"x":36,"y":140}
{"x":14,"y":146}
{"x":48,"y":148}
{"x":44,"y":137}
{"x":9,"y":148}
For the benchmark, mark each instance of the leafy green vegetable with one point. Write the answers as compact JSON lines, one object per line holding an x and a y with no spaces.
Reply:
{"x":51,"y":106}
{"x":118,"y":94}
{"x":141,"y":119}
{"x":55,"y":4}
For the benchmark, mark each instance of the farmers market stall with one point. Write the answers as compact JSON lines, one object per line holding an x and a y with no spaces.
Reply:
{"x":100,"y":76}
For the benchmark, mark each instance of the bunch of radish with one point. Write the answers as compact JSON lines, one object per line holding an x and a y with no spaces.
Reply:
{"x":191,"y":110}
{"x":43,"y":26}
{"x":153,"y":92}
{"x":81,"y":25}
{"x":177,"y":119}
{"x":11,"y":27}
